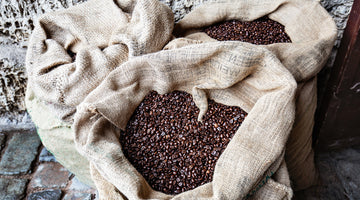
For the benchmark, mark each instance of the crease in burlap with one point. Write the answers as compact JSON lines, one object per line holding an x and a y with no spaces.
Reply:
{"x":103,"y":34}
{"x":312,"y":32}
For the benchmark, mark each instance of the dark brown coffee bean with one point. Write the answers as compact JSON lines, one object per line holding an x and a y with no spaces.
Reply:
{"x":262,"y":31}
{"x":170,"y":148}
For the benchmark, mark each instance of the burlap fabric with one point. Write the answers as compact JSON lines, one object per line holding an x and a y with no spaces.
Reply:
{"x":103,"y":34}
{"x":231,"y":73}
{"x":312,"y":32}
{"x":299,"y":154}
{"x":259,"y":79}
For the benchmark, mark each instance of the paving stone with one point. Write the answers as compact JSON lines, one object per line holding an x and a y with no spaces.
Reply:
{"x":46,"y":195}
{"x":347,"y":166}
{"x":19,"y":154}
{"x":46,"y":156}
{"x":76,"y":185}
{"x":340,"y":176}
{"x":78,"y":196}
{"x":50,"y":175}
{"x":2,"y":140}
{"x":11,"y":189}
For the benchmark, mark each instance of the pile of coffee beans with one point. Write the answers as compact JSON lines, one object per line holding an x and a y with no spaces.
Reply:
{"x":171,"y":149}
{"x":262,"y":31}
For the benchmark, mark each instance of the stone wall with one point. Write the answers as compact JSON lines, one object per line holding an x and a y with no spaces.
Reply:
{"x":16,"y":24}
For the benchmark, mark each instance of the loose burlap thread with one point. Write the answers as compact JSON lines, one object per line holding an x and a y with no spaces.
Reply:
{"x":259,"y":79}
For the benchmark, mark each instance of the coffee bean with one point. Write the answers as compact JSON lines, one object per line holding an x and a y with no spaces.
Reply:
{"x":262,"y":31}
{"x":181,"y":150}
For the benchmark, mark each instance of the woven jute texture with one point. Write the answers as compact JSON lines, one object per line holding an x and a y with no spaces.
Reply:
{"x":231,"y":73}
{"x":103,"y":34}
{"x":312,"y":32}
{"x":115,"y":68}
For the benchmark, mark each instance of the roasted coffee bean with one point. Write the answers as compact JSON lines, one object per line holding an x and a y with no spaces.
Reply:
{"x":171,"y":149}
{"x":262,"y":31}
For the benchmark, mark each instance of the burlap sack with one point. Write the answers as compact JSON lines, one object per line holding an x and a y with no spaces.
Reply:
{"x":312,"y":32}
{"x":231,"y":73}
{"x":103,"y":34}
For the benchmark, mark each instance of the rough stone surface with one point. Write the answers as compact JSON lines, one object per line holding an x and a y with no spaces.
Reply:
{"x":78,"y":196}
{"x":339,"y":10}
{"x":46,"y":156}
{"x":58,"y":179}
{"x":340,"y":176}
{"x":46,"y":195}
{"x":45,"y":180}
{"x":20,"y":153}
{"x":17,"y":17}
{"x":181,"y":8}
{"x":12,"y":78}
{"x":12,"y":86}
{"x":342,"y":173}
{"x":11,"y":189}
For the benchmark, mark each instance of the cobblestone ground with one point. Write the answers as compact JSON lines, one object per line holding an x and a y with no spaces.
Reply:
{"x":28,"y":171}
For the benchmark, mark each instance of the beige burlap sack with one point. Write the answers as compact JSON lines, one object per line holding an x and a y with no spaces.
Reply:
{"x":231,"y":73}
{"x":102,"y":34}
{"x":312,"y":32}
